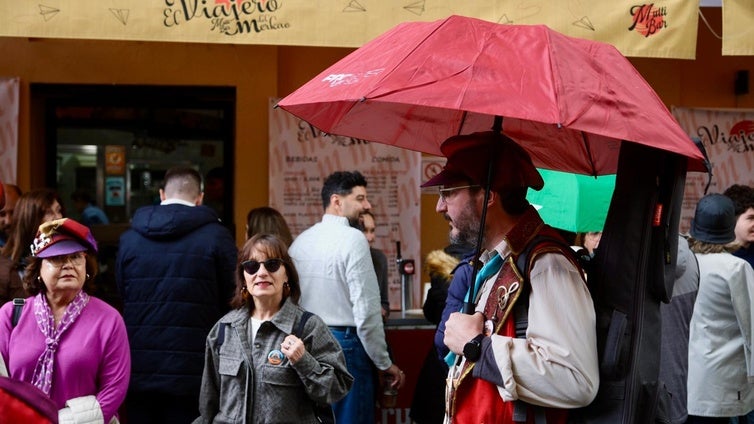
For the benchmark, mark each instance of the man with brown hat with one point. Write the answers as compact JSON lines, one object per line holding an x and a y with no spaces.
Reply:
{"x":500,"y":376}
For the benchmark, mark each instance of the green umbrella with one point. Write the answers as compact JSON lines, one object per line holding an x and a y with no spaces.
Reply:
{"x":573,"y":202}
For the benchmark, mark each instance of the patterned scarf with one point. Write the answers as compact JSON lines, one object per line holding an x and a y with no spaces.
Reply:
{"x":42,"y":377}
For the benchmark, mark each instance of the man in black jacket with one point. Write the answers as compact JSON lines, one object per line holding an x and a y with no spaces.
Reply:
{"x":175,"y":272}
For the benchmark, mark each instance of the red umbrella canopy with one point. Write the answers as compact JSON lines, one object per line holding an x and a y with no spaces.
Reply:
{"x":569,"y":102}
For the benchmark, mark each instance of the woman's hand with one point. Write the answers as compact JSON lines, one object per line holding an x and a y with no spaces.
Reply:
{"x":293,"y":348}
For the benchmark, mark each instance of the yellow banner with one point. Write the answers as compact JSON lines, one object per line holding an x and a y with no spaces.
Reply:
{"x":663,"y":28}
{"x":738,"y":27}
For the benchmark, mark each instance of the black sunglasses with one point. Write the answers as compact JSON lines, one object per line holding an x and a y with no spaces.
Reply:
{"x":271,"y":265}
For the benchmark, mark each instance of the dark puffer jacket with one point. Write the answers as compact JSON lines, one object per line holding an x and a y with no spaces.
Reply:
{"x":457,"y":290}
{"x":175,"y":273}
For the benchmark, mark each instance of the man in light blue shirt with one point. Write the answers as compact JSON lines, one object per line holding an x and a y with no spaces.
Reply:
{"x":339,"y":284}
{"x":90,"y":214}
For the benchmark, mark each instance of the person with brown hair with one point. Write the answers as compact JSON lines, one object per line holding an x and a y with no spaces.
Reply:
{"x":589,"y":240}
{"x":368,"y":226}
{"x":743,"y":200}
{"x":11,"y":193}
{"x":267,"y":220}
{"x":277,"y":375}
{"x":32,"y":209}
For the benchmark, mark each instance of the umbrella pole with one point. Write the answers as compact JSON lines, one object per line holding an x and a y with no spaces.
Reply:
{"x":470,"y":305}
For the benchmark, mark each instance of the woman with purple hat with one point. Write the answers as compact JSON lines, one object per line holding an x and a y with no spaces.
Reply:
{"x":70,"y":345}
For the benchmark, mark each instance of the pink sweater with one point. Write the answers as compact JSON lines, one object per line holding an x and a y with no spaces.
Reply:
{"x":93,"y":357}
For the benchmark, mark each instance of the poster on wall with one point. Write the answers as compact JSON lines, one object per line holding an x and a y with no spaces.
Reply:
{"x":115,"y":160}
{"x":9,"y":92}
{"x":301,"y":157}
{"x":115,"y":191}
{"x":728,"y":138}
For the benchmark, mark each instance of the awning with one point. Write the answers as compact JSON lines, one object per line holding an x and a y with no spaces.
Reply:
{"x":662,"y":28}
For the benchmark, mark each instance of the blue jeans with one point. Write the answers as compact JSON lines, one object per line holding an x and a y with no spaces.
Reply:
{"x":749,"y":419}
{"x":358,"y":405}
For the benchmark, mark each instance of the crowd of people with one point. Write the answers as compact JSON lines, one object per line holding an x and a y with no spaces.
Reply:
{"x":292,"y":329}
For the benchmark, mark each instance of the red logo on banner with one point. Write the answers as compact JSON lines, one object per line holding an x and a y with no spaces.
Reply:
{"x":647,"y":19}
{"x":741,"y":136}
{"x":743,"y":129}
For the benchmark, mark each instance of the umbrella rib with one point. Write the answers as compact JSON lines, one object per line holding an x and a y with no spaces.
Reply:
{"x":409,"y":87}
{"x":464,"y":115}
{"x":416,"y":47}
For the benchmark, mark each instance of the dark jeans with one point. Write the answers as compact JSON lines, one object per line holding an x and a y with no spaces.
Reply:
{"x":746,"y":419}
{"x":159,"y":408}
{"x":707,"y":420}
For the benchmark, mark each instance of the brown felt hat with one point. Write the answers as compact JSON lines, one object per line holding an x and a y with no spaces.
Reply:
{"x":468,"y":157}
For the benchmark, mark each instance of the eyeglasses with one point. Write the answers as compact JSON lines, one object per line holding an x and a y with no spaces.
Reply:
{"x":445,"y":193}
{"x":271,"y":265}
{"x":76,"y":259}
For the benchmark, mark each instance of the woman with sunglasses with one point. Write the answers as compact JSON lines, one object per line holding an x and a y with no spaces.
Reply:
{"x":70,"y":345}
{"x":256,"y":370}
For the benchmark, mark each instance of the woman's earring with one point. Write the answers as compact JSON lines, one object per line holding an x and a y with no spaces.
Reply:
{"x":87,"y":275}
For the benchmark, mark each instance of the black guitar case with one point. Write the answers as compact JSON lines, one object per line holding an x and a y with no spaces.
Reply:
{"x":632,"y":272}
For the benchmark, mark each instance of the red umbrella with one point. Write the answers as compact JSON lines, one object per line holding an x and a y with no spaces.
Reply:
{"x":569,"y":102}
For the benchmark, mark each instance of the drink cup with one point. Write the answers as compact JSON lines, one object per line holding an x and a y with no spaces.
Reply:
{"x":389,"y":394}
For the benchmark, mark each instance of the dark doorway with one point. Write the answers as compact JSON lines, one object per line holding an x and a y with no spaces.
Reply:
{"x":128,"y":136}
{"x":116,"y":142}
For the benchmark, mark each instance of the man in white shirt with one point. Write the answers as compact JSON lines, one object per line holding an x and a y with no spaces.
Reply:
{"x":555,"y":364}
{"x":338,"y":283}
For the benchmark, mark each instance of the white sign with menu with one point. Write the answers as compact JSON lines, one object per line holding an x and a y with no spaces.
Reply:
{"x":301,"y":157}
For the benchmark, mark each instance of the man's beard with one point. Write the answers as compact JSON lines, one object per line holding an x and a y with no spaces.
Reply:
{"x":354,"y":222}
{"x":466,"y":228}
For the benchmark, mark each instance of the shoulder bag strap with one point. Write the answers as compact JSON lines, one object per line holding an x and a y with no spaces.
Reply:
{"x":18,"y":307}
{"x":299,"y":330}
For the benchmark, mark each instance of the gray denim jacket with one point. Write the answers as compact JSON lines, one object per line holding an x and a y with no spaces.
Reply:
{"x":240,"y":384}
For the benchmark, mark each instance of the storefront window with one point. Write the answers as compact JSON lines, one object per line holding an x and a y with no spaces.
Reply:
{"x":112,"y":145}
